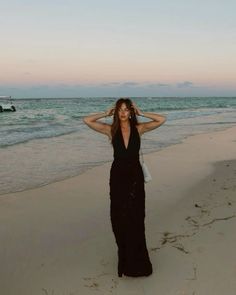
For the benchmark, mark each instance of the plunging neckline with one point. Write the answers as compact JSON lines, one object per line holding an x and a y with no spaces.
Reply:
{"x":126,"y":148}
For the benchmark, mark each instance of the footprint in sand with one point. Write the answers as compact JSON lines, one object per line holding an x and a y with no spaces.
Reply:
{"x":101,"y":283}
{"x":91,"y":283}
{"x":220,"y":233}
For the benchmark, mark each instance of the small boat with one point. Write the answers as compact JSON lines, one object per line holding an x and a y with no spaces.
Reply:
{"x":6,"y":104}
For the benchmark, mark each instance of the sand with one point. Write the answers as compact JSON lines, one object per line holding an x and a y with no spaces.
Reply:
{"x":57,"y":239}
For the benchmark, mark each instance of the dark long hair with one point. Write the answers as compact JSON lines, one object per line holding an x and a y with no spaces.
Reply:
{"x":116,"y":121}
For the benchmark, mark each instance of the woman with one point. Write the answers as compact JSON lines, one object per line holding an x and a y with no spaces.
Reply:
{"x":127,"y":194}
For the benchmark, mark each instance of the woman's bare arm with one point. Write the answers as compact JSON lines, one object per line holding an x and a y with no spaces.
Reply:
{"x":157,"y":120}
{"x":91,"y":121}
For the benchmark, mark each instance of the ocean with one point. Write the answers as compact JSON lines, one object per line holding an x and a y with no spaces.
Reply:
{"x":45,"y":140}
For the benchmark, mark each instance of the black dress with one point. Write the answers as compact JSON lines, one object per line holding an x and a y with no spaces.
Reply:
{"x":127,"y":206}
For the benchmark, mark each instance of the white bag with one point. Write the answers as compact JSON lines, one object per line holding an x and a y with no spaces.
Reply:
{"x":146,"y":173}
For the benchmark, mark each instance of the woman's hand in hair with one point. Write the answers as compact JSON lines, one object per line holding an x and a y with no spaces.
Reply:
{"x":136,"y":109}
{"x":110,"y":111}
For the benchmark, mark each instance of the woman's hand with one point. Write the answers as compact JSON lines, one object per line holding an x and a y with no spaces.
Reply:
{"x":110,"y":111}
{"x":136,"y":109}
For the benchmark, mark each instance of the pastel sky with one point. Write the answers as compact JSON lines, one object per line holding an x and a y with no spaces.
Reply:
{"x":73,"y":48}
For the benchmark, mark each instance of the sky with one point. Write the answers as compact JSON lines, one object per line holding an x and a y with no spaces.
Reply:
{"x":74,"y":48}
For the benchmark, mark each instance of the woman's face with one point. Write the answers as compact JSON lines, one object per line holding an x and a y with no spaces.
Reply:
{"x":123,"y":112}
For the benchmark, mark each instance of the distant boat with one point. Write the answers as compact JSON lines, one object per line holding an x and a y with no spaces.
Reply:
{"x":6,"y":104}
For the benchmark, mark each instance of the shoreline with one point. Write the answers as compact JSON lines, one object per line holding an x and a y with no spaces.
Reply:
{"x":58,"y":238}
{"x":91,"y":166}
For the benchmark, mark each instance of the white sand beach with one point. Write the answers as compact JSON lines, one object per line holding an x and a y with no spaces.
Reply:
{"x":57,"y":239}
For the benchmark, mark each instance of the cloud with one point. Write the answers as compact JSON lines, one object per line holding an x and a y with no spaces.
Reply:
{"x":113,"y":89}
{"x":111,"y":84}
{"x":185,"y":84}
{"x":131,"y":83}
{"x":158,"y":85}
{"x":120,"y":84}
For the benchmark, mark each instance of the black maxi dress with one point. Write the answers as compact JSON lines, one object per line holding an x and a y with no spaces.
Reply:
{"x":127,"y":206}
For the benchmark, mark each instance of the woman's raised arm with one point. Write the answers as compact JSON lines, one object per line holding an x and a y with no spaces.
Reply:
{"x":157,"y":120}
{"x":91,"y":121}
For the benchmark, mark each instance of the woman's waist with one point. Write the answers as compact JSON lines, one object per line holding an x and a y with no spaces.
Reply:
{"x":126,"y":169}
{"x":125,"y":161}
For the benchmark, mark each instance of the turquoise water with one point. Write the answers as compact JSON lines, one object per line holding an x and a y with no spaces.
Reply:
{"x":45,"y":118}
{"x":45,"y":140}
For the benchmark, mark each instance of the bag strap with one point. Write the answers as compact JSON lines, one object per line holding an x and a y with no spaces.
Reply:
{"x":142,"y":158}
